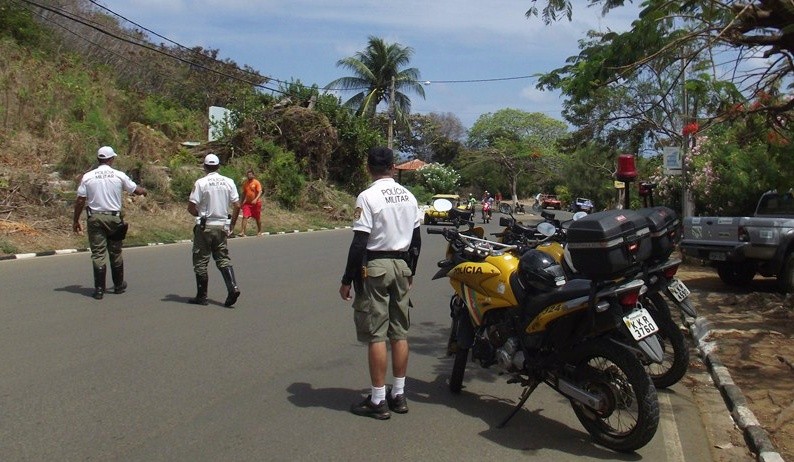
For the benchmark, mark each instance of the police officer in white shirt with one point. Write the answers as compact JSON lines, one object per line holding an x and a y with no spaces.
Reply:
{"x":100,"y":189}
{"x":381,"y":262}
{"x":210,"y":202}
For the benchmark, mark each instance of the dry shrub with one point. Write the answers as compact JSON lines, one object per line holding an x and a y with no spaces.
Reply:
{"x":310,"y":135}
{"x":15,"y":227}
{"x":27,"y":151}
{"x":148,"y":145}
{"x":337,"y":204}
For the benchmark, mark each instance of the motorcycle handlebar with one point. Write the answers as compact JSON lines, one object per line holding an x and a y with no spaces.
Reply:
{"x":435,"y":230}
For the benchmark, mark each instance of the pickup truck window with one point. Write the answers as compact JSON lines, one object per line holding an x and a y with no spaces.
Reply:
{"x":776,"y":205}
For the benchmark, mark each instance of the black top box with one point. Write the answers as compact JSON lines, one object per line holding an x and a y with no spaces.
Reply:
{"x":665,"y":228}
{"x":608,"y":244}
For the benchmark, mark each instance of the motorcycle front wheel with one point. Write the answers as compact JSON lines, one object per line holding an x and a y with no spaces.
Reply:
{"x":458,"y":370}
{"x":461,"y":356}
{"x":630,"y":415}
{"x":676,"y":353}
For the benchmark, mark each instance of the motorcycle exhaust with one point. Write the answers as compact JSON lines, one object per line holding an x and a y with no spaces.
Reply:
{"x":582,"y":396}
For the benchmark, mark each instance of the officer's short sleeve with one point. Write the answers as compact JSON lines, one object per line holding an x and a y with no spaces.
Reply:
{"x":81,"y":190}
{"x":362,"y":216}
{"x":195,"y":195}
{"x":234,"y":196}
{"x":126,"y":182}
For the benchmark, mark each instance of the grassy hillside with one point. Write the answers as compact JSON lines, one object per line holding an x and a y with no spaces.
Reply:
{"x":56,"y":110}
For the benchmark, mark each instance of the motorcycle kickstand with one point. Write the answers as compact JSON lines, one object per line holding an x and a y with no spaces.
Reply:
{"x":524,"y":396}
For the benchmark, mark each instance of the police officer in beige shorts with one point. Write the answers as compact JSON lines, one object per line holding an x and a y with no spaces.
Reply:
{"x":380,"y":265}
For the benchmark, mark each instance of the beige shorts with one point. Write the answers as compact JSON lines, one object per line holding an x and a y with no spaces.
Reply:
{"x":381,"y":306}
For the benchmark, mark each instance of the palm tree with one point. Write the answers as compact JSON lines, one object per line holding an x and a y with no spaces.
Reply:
{"x":373,"y":71}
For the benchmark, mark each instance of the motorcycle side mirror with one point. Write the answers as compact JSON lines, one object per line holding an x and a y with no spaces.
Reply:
{"x":506,"y":221}
{"x":579,"y":215}
{"x":442,"y":205}
{"x":547,"y":229}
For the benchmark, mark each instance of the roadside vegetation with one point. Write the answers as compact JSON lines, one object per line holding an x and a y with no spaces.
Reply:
{"x":75,"y":77}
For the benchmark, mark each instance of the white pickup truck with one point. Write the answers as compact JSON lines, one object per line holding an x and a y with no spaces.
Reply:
{"x":741,"y":247}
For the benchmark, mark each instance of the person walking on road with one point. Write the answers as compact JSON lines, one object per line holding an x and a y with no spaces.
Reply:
{"x":252,"y":202}
{"x":215,"y":203}
{"x":100,"y":193}
{"x":380,"y":266}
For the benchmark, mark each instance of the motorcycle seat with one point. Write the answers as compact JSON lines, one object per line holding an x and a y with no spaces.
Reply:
{"x":575,"y":288}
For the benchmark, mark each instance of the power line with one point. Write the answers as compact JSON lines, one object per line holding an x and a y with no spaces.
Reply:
{"x":88,"y":24}
{"x":426,"y":81}
{"x":94,"y":25}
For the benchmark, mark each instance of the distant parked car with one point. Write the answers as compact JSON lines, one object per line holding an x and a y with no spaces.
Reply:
{"x":549,"y":201}
{"x":581,"y":204}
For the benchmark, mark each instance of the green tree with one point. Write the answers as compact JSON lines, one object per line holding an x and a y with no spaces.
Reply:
{"x":688,"y":31}
{"x":432,"y":137}
{"x":519,"y":143}
{"x":373,"y":71}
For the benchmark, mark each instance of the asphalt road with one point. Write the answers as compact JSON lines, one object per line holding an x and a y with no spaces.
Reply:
{"x":144,"y":376}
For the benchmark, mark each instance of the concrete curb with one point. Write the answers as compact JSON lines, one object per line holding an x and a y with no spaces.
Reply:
{"x":756,"y":436}
{"x":47,"y":253}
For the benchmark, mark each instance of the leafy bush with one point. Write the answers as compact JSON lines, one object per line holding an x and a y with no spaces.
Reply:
{"x":283,"y":178}
{"x":174,"y":121}
{"x":422,"y":195}
{"x":182,"y":181}
{"x":183,"y":157}
{"x":439,"y":179}
{"x":17,"y":22}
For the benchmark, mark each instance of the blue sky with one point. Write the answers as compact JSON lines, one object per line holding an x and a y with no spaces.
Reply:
{"x":452,"y":41}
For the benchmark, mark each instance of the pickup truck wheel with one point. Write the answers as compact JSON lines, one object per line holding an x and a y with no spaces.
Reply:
{"x":736,"y":274}
{"x":786,"y":277}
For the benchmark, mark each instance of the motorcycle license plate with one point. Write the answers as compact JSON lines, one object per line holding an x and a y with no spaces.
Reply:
{"x":640,"y":324}
{"x":679,"y":290}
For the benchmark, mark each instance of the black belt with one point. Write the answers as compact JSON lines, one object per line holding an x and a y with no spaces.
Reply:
{"x":377,"y":254}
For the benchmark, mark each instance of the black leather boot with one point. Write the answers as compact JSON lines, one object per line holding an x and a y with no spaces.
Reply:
{"x":231,"y":286}
{"x":202,"y":281}
{"x":99,"y":282}
{"x":119,"y":284}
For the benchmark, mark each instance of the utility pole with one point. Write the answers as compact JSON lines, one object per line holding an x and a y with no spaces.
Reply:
{"x":687,"y":207}
{"x":391,"y":115}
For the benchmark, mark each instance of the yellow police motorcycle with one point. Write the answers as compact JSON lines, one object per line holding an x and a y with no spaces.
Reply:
{"x":517,"y":313}
{"x":658,"y":274}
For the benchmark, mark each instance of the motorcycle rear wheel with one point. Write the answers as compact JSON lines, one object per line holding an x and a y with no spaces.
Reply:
{"x":631,"y":416}
{"x":676,"y":353}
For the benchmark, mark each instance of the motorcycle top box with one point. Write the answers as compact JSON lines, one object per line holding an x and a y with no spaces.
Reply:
{"x":665,"y":228}
{"x":606,"y":244}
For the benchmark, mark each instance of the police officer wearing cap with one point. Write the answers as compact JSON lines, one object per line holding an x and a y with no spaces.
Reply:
{"x":210,"y":202}
{"x":99,"y":193}
{"x":381,"y":263}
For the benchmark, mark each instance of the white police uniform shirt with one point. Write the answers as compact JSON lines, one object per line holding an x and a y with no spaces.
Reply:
{"x":102,"y":187}
{"x":389,"y":213}
{"x":212,"y":195}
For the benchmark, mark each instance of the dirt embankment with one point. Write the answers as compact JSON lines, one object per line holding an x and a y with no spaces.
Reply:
{"x":753,"y":330}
